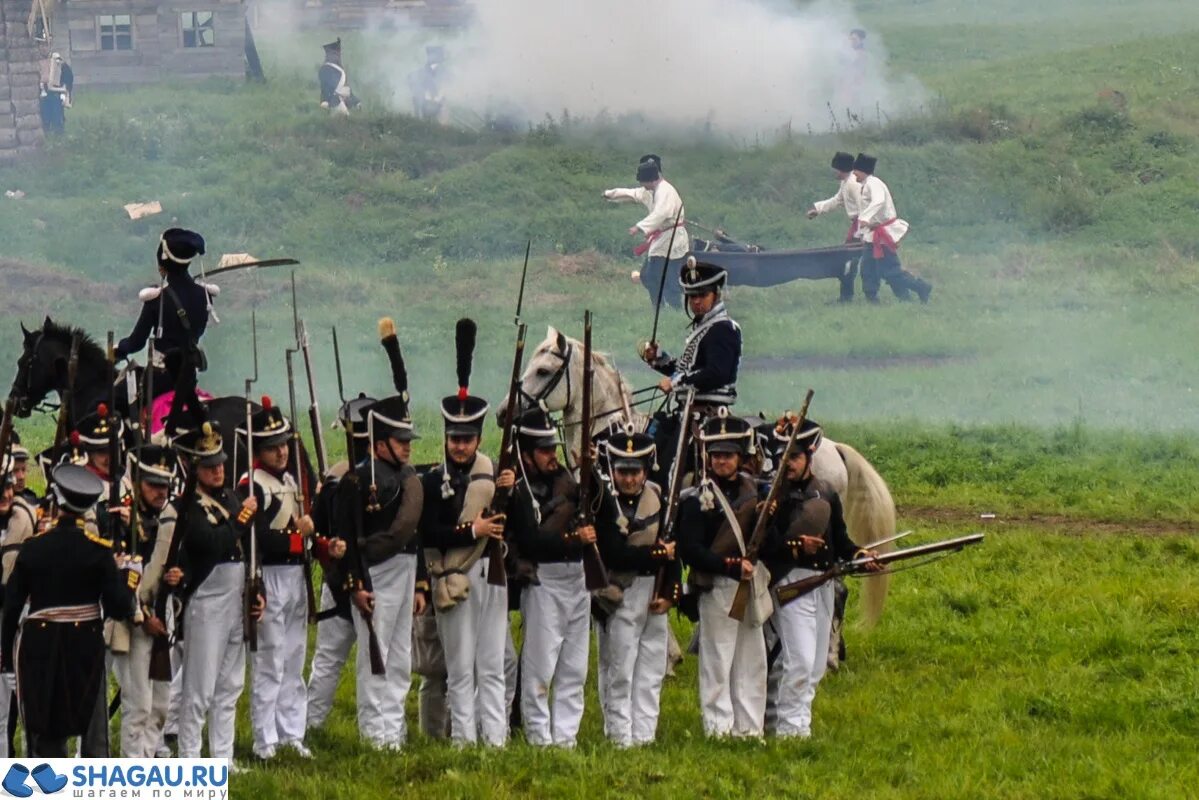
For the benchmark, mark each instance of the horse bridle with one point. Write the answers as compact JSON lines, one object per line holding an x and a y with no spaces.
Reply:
{"x":45,"y":404}
{"x":536,"y":400}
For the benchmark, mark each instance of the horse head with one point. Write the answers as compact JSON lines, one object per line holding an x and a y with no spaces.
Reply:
{"x":553,"y":378}
{"x":42,"y":367}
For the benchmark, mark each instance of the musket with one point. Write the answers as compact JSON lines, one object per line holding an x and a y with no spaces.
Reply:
{"x":253,"y":586}
{"x":789,"y":592}
{"x":114,"y":453}
{"x":497,"y":572}
{"x":314,"y":409}
{"x":524,"y":272}
{"x":10,"y":407}
{"x":653,"y":337}
{"x":352,"y":489}
{"x":596,"y":576}
{"x":754,"y":544}
{"x":674,"y":487}
{"x":305,"y":504}
{"x":160,"y":651}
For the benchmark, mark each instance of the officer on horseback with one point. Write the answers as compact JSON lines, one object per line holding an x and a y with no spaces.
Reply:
{"x":177,"y":314}
{"x":712,"y":351}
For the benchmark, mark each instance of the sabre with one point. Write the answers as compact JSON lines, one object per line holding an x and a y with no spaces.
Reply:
{"x":262,"y":263}
{"x":653,"y":337}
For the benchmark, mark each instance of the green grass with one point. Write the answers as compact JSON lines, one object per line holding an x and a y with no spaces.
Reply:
{"x":1032,"y":666}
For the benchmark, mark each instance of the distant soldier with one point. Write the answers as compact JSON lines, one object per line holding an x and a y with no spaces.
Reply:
{"x":664,"y":205}
{"x":389,"y":548}
{"x":849,"y":197}
{"x":715,"y":519}
{"x":57,"y":84}
{"x":634,"y":633}
{"x":335,"y":87}
{"x":472,"y":614}
{"x":212,"y":575}
{"x":177,"y":314}
{"x":805,"y":537}
{"x":17,"y":524}
{"x":66,"y":575}
{"x":425,"y":84}
{"x":278,"y":696}
{"x":143,"y":701}
{"x":335,"y":635}
{"x":555,"y":606}
{"x":882,"y":230}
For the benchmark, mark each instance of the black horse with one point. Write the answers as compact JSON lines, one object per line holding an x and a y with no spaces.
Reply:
{"x":42,"y":370}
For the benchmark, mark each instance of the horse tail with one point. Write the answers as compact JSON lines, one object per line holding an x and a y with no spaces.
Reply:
{"x":870,"y":517}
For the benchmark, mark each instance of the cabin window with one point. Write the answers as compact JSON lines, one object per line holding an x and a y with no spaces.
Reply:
{"x":197,"y":29}
{"x":116,"y":31}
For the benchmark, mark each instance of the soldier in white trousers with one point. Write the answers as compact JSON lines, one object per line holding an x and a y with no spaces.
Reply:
{"x":211,"y":570}
{"x":278,"y":696}
{"x":144,"y":702}
{"x":458,"y":528}
{"x":383,"y":562}
{"x":715,"y":518}
{"x":806,"y":536}
{"x":632,"y":636}
{"x":334,"y":640}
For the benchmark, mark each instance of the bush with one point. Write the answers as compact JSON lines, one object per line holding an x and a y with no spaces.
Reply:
{"x":1099,"y":123}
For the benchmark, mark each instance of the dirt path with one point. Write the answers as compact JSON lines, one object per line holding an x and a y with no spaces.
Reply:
{"x":1058,"y":523}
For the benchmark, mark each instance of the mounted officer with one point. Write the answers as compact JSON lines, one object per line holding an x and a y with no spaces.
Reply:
{"x":177,"y":314}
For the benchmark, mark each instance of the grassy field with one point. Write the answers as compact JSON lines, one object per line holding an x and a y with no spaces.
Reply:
{"x":1051,"y":381}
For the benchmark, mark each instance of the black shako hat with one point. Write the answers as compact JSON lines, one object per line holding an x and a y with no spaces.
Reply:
{"x":94,"y":432}
{"x":354,"y":410}
{"x":333,"y":47}
{"x":727,"y":434}
{"x":464,"y":413}
{"x":629,"y":450}
{"x":696,"y":277}
{"x":76,"y":488}
{"x":535,"y":430}
{"x":843,"y":162}
{"x":203,"y":445}
{"x":268,"y":426}
{"x":809,"y":438}
{"x":865,"y":163}
{"x":651,"y":158}
{"x":153,"y":464}
{"x":178,"y":247}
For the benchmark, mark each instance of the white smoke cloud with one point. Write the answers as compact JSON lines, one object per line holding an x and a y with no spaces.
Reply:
{"x":744,"y":66}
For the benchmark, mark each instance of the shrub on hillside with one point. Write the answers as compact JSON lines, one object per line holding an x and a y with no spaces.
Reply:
{"x":1103,"y":123}
{"x":975,"y":124}
{"x":1064,"y":207}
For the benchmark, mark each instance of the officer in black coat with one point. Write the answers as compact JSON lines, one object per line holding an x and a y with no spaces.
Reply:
{"x":180,"y":307}
{"x":68,"y":576}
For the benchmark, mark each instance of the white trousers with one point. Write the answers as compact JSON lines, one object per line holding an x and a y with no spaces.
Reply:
{"x":214,"y":663}
{"x":511,"y":667}
{"x":381,"y":697}
{"x":632,"y":665}
{"x":803,"y":628}
{"x":334,"y":639}
{"x":554,"y":657}
{"x":278,"y":696}
{"x":474,"y":635}
{"x":143,"y":701}
{"x":732,"y":666}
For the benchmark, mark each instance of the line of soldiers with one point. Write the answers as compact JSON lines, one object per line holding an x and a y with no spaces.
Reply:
{"x":204,"y":573}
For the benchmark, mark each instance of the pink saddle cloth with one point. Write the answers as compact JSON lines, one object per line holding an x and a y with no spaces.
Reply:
{"x":161,"y":407}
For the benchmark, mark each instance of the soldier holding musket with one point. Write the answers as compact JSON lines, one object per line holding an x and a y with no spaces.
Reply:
{"x":457,"y":524}
{"x":143,"y":701}
{"x":211,"y":574}
{"x":715,"y":519}
{"x":67,"y":575}
{"x":633,"y":634}
{"x":388,"y":547}
{"x":805,"y":537}
{"x":278,"y":697}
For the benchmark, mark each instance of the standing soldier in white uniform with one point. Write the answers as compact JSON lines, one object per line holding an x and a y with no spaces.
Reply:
{"x":882,"y":230}
{"x":848,"y":197}
{"x":278,"y":696}
{"x":664,"y":205}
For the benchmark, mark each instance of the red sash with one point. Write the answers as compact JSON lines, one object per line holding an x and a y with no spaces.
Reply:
{"x":644,"y":247}
{"x":853,"y":231}
{"x":882,"y":239}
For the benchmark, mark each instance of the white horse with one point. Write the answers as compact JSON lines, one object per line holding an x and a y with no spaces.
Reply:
{"x":554,"y":378}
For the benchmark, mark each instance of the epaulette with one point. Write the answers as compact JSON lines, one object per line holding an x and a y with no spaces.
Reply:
{"x":97,"y":538}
